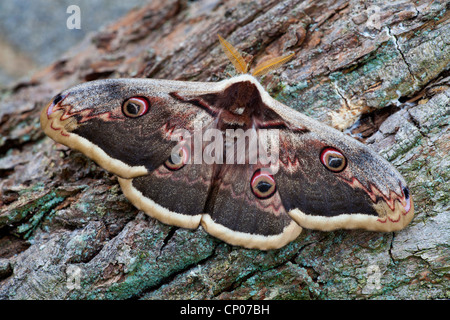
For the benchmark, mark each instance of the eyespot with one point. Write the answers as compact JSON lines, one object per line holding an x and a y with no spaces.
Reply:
{"x":333,"y":159}
{"x":178,"y":159}
{"x":263,"y":184}
{"x":135,"y":107}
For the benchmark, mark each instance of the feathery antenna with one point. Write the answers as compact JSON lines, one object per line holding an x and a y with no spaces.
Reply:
{"x":242,"y":67}
{"x":271,"y":64}
{"x":234,"y":56}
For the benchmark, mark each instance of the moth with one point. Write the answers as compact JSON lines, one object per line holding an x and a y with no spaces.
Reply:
{"x":320,"y":179}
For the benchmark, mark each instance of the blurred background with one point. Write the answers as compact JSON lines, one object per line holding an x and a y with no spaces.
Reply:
{"x":33,"y":33}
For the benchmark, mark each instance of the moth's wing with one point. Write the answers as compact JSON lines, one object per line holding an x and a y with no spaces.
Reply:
{"x":89,"y":117}
{"x":176,"y":192}
{"x":219,"y":196}
{"x":235,"y":215}
{"x":368,"y":194}
{"x":173,"y":197}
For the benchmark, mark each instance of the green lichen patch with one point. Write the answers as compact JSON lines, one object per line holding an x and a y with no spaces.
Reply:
{"x":34,"y":204}
{"x":288,"y":282}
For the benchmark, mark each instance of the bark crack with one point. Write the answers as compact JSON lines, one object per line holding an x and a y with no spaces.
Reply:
{"x":342,"y":95}
{"x":416,"y":124}
{"x":391,"y":246}
{"x":397,"y":47}
{"x":166,"y":240}
{"x":171,"y":277}
{"x":236,"y":284}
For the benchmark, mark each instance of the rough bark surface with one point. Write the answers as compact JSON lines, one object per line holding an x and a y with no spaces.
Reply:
{"x":379,"y":70}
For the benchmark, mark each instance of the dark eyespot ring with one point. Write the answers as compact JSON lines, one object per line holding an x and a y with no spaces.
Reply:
{"x":333,"y":159}
{"x":263,"y":184}
{"x":135,"y":107}
{"x":178,"y":159}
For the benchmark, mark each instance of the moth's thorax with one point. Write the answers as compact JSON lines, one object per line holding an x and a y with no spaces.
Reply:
{"x":240,"y":104}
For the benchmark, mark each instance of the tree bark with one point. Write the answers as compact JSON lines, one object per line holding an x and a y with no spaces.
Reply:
{"x":381,"y":73}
